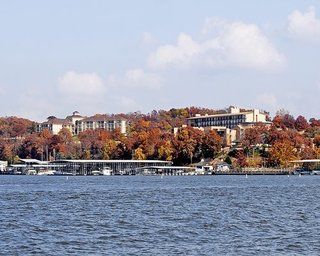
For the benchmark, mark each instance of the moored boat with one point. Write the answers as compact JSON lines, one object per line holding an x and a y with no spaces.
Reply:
{"x":315,"y":172}
{"x":107,"y":171}
{"x":96,"y":173}
{"x":302,"y":172}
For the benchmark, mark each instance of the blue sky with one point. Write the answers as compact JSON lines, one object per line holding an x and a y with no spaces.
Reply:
{"x":125,"y":56}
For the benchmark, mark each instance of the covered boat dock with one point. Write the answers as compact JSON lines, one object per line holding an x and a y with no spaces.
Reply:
{"x":165,"y":170}
{"x":118,"y":167}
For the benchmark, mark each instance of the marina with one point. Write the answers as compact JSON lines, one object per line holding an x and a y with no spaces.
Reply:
{"x":69,"y":167}
{"x":86,"y":167}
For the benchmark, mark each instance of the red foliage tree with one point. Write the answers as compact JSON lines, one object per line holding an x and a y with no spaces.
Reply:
{"x":314,"y":122}
{"x":301,"y":124}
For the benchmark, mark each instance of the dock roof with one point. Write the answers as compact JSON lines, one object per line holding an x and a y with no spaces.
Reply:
{"x":109,"y":161}
{"x":306,"y":161}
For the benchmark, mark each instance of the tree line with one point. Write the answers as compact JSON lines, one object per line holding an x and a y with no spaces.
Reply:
{"x":150,"y":136}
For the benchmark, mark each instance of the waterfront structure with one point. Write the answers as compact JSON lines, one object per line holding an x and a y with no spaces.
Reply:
{"x":125,"y":167}
{"x":76,"y":123}
{"x":32,"y":166}
{"x":231,"y":124}
{"x":88,"y":167}
{"x":166,"y":170}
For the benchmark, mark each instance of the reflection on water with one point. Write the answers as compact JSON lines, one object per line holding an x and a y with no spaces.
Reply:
{"x":150,"y":215}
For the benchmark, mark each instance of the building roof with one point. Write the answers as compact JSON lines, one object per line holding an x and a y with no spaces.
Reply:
{"x":58,"y":121}
{"x":171,"y":167}
{"x":228,"y":114}
{"x":78,"y":116}
{"x":33,"y":161}
{"x":75,"y":114}
{"x":108,"y":161}
{"x":104,"y":118}
{"x":219,"y":115}
{"x":306,"y":161}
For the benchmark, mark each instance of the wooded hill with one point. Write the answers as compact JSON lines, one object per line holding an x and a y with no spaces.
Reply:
{"x":150,"y":136}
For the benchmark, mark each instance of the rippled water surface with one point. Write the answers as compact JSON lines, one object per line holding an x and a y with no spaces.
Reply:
{"x":150,"y":215}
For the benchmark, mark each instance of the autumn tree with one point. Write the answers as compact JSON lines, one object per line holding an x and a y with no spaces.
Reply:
{"x":241,"y":159}
{"x":255,"y":135}
{"x":139,"y":155}
{"x":211,"y":143}
{"x":7,"y":151}
{"x":277,"y":121}
{"x":109,"y":148}
{"x":281,"y":153}
{"x":32,"y":147}
{"x":301,"y":124}
{"x":275,"y":135}
{"x":314,"y":122}
{"x":165,"y":150}
{"x":64,"y":146}
{"x":11,"y":127}
{"x":187,"y":145}
{"x":316,"y":140}
{"x":284,"y":120}
{"x":288,"y":121}
{"x":307,"y":153}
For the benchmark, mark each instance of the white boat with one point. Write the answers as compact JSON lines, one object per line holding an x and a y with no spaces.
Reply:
{"x":107,"y":171}
{"x":46,"y":172}
{"x":315,"y":172}
{"x":61,"y":173}
{"x":96,"y":173}
{"x":31,"y":172}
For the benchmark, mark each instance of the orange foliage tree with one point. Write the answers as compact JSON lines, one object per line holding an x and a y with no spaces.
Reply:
{"x":282,"y":152}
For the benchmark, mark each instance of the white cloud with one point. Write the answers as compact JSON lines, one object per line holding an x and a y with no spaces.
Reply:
{"x":235,"y":44}
{"x":267,"y":99}
{"x":181,"y":55}
{"x":79,"y":84}
{"x":137,"y":78}
{"x":304,"y":25}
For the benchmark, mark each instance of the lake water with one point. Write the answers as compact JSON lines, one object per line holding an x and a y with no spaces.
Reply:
{"x":150,"y":215}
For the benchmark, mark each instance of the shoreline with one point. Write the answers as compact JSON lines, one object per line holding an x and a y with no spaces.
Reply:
{"x":215,"y":174}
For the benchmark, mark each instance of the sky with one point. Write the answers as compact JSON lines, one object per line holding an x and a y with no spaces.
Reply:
{"x":103,"y":56}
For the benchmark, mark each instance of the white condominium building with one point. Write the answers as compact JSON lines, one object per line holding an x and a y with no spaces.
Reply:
{"x":77,"y":123}
{"x":101,"y":122}
{"x":55,"y":125}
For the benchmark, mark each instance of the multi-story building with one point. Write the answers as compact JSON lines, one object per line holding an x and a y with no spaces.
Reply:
{"x":230,"y":125}
{"x":77,"y":123}
{"x":230,"y":119}
{"x":101,"y":122}
{"x":74,"y":118}
{"x":55,"y":125}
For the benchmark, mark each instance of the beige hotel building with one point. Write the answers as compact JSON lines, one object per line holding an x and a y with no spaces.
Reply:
{"x":230,"y":125}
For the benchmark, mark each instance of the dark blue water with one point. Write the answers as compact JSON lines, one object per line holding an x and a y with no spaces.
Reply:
{"x":140,"y":215}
